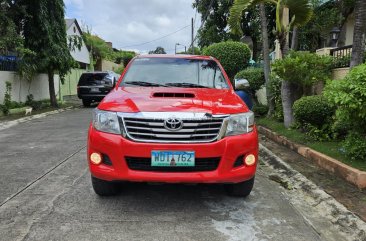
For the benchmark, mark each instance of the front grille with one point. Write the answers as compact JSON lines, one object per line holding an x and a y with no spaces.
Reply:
{"x":201,"y":165}
{"x":153,"y":130}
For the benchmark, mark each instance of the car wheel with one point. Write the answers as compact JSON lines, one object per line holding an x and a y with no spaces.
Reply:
{"x":241,"y":189}
{"x":104,"y":188}
{"x":86,"y":103}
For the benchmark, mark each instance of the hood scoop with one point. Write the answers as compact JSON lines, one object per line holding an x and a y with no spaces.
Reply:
{"x":173,"y":95}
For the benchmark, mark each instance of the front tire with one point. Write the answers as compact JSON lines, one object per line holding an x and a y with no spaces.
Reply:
{"x":86,"y":103}
{"x":104,"y":188}
{"x":241,"y":189}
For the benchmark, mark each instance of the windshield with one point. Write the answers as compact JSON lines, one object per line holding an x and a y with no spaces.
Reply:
{"x":88,"y":78}
{"x":175,"y":72}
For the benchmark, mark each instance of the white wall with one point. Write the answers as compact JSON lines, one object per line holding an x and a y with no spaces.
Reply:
{"x":38,"y":87}
{"x":262,"y":96}
{"x":350,"y":27}
{"x":109,"y":66}
{"x":81,"y":55}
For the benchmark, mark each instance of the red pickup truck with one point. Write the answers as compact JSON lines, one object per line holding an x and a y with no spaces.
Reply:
{"x":173,"y":119}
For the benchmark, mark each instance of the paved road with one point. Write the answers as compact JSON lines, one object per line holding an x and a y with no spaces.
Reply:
{"x":45,"y":194}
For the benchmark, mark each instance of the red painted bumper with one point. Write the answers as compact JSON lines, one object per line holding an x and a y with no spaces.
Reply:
{"x":228,"y":149}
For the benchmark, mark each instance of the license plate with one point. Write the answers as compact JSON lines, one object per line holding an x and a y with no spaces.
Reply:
{"x":172,"y":159}
{"x":94,"y":90}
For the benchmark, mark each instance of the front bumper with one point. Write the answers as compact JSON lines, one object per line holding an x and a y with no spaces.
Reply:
{"x":228,"y":149}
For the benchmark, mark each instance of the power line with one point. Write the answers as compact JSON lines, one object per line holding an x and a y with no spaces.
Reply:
{"x":135,"y":45}
{"x":178,"y":47}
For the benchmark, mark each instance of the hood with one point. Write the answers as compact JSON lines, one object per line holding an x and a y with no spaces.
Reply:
{"x":153,"y":99}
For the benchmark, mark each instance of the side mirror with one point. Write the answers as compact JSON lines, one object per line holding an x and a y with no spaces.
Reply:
{"x":241,"y":84}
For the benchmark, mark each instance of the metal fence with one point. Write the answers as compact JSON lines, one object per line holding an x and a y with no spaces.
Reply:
{"x":342,"y":56}
{"x":8,"y":63}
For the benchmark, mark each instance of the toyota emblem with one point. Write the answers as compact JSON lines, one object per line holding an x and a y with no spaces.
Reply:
{"x":173,"y":124}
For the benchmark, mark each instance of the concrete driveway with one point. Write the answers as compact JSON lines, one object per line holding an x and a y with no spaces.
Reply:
{"x":45,"y":194}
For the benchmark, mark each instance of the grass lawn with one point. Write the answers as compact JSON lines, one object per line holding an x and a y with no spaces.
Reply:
{"x":330,"y":148}
{"x":34,"y":112}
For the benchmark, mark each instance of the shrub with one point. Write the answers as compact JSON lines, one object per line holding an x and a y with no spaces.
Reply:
{"x":260,"y":110}
{"x":303,"y":68}
{"x":349,"y":95}
{"x":323,"y":133}
{"x":314,"y":110}
{"x":2,"y":107}
{"x":341,"y":62}
{"x":234,"y":56}
{"x":340,"y":129}
{"x":36,"y":105}
{"x":7,"y":98}
{"x":120,"y":70}
{"x":29,"y":100}
{"x":275,"y":88}
{"x":255,"y":76}
{"x":355,"y":146}
{"x":14,"y":105}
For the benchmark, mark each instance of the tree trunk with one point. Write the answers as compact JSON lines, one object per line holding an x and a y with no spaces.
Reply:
{"x":51,"y":87}
{"x":287,"y":103}
{"x":266,"y":60}
{"x":358,"y":49}
{"x":287,"y":88}
{"x":255,"y":49}
{"x":294,"y":39}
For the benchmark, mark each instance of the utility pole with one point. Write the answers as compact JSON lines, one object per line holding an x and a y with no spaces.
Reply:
{"x":192,"y":45}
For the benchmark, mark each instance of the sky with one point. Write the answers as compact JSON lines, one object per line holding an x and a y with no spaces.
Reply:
{"x":128,"y":23}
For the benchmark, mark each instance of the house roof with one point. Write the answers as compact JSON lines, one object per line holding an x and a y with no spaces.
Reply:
{"x":70,"y":21}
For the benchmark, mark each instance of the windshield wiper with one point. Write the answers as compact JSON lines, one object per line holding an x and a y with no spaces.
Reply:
{"x":186,"y":85}
{"x":144,"y":83}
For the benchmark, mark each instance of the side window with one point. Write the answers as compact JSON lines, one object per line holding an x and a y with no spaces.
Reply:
{"x":220,"y":81}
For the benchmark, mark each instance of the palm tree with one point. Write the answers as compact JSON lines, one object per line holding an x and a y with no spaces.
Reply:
{"x":266,"y":60}
{"x":301,"y":12}
{"x":358,"y":49}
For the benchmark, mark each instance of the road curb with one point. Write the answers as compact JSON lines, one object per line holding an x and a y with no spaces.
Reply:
{"x":7,"y":124}
{"x":350,"y":174}
{"x":346,"y":221}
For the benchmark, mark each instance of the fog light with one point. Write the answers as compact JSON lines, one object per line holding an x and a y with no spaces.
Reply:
{"x":96,"y":158}
{"x":250,"y":160}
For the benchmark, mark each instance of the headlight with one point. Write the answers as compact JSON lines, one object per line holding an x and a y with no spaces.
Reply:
{"x":106,"y":121}
{"x":240,"y":124}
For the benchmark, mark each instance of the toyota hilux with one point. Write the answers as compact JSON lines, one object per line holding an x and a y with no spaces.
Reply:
{"x":173,"y":119}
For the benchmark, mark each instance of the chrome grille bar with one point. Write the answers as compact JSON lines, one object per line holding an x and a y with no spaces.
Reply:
{"x":198,"y":129}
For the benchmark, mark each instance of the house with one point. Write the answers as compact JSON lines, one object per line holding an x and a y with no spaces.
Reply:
{"x":82,"y":55}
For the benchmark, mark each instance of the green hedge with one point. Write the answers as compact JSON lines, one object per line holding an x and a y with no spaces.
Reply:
{"x":303,"y":68}
{"x":234,"y":56}
{"x":355,"y":146}
{"x":314,"y":110}
{"x":349,"y":95}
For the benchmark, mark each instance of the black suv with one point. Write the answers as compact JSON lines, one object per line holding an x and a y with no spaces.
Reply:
{"x":93,"y":86}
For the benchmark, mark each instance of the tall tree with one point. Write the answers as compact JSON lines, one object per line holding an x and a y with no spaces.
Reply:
{"x":10,"y":38}
{"x":158,"y":50}
{"x":301,"y":12}
{"x":45,"y":34}
{"x":358,"y":49}
{"x":216,"y":14}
